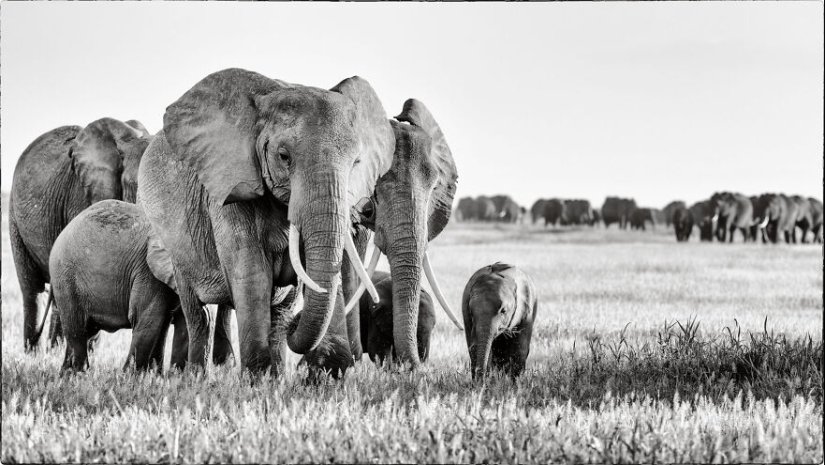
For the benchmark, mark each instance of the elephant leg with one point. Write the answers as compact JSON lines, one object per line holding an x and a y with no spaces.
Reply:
{"x":180,"y":341}
{"x":804,"y":238}
{"x":197,"y":325}
{"x":222,"y":352}
{"x":505,"y":354}
{"x":32,"y":283}
{"x":77,"y":337}
{"x":151,"y":311}
{"x":280,"y":315}
{"x":732,"y":230}
{"x":156,"y":356}
{"x":77,"y":355}
{"x":55,"y":328}
{"x":252,"y":291}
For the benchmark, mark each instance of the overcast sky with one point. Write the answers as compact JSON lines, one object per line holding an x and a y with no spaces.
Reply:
{"x":656,"y":101}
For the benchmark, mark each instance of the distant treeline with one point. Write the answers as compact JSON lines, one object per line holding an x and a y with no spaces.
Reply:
{"x":767,"y":217}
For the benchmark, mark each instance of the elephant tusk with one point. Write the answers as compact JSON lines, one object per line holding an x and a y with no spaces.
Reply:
{"x":428,"y":270}
{"x":376,"y":255}
{"x":715,"y":218}
{"x":359,"y":267}
{"x":764,"y":223}
{"x":295,"y":259}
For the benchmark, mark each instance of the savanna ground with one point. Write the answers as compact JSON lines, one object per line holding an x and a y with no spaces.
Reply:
{"x":645,"y":351}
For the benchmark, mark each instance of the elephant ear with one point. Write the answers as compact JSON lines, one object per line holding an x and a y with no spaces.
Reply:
{"x":212,"y":128}
{"x":441,"y":204}
{"x":375,"y":136}
{"x":138,"y":125}
{"x":98,"y":150}
{"x":160,"y":261}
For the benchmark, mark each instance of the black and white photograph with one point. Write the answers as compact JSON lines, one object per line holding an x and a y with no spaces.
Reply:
{"x":378,"y":232}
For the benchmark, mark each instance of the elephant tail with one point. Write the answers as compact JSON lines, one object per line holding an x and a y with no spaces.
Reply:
{"x":39,"y":330}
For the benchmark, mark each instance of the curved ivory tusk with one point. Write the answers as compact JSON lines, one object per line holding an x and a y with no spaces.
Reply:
{"x":376,"y":255}
{"x":764,"y":223}
{"x":359,"y":267}
{"x":295,"y":259}
{"x":715,"y":217}
{"x":428,"y":270}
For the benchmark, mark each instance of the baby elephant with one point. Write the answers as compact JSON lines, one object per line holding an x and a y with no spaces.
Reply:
{"x":101,"y":280}
{"x":499,"y":306}
{"x":376,"y":321}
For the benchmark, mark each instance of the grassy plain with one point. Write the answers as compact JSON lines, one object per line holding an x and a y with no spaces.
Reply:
{"x":645,"y":351}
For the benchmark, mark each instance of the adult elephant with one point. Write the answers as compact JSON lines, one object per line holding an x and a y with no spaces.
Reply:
{"x":683,"y":224}
{"x":617,"y":210}
{"x":670,"y":209}
{"x":639,"y":217}
{"x":577,"y":212}
{"x":776,"y":215}
{"x":507,"y":210}
{"x":58,"y":175}
{"x":804,"y":217}
{"x":731,"y":211}
{"x":537,"y":210}
{"x":485,"y":209}
{"x":249,"y":179}
{"x":816,"y":219}
{"x":554,"y":212}
{"x":465,"y":211}
{"x":410,"y":207}
{"x":702,"y":214}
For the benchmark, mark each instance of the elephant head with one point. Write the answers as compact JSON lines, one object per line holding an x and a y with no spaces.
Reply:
{"x":411,"y":205}
{"x":105,"y":156}
{"x":247,"y":136}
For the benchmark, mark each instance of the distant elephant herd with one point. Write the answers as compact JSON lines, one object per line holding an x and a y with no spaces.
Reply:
{"x":766,"y":218}
{"x":260,"y":197}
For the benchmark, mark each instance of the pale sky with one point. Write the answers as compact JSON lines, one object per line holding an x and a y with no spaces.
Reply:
{"x":656,"y":101}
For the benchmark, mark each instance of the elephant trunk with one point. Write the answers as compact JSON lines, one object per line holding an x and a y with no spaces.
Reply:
{"x":319,"y":208}
{"x":480,"y":353}
{"x":405,"y":255}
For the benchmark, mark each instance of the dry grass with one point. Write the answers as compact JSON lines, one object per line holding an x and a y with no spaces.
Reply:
{"x":645,"y":351}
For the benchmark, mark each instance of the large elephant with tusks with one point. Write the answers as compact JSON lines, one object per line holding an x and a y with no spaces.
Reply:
{"x":248,"y":189}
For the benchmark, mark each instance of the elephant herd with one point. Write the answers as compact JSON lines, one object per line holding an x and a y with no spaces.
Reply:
{"x":498,"y":208}
{"x":768,"y":217}
{"x":260,"y":197}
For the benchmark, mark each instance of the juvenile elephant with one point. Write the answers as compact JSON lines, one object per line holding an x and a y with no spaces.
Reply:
{"x":58,"y":175}
{"x":101,"y":281}
{"x":499,"y":306}
{"x":683,"y":224}
{"x":640,"y":216}
{"x":377,"y":322}
{"x":617,"y":210}
{"x":731,"y":211}
{"x":248,"y":190}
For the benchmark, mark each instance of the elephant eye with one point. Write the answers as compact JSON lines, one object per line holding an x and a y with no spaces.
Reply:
{"x":366,"y":208}
{"x":283,"y":154}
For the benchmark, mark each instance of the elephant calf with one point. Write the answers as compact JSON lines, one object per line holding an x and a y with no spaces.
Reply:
{"x":101,"y":280}
{"x":499,"y":306}
{"x":377,"y":326}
